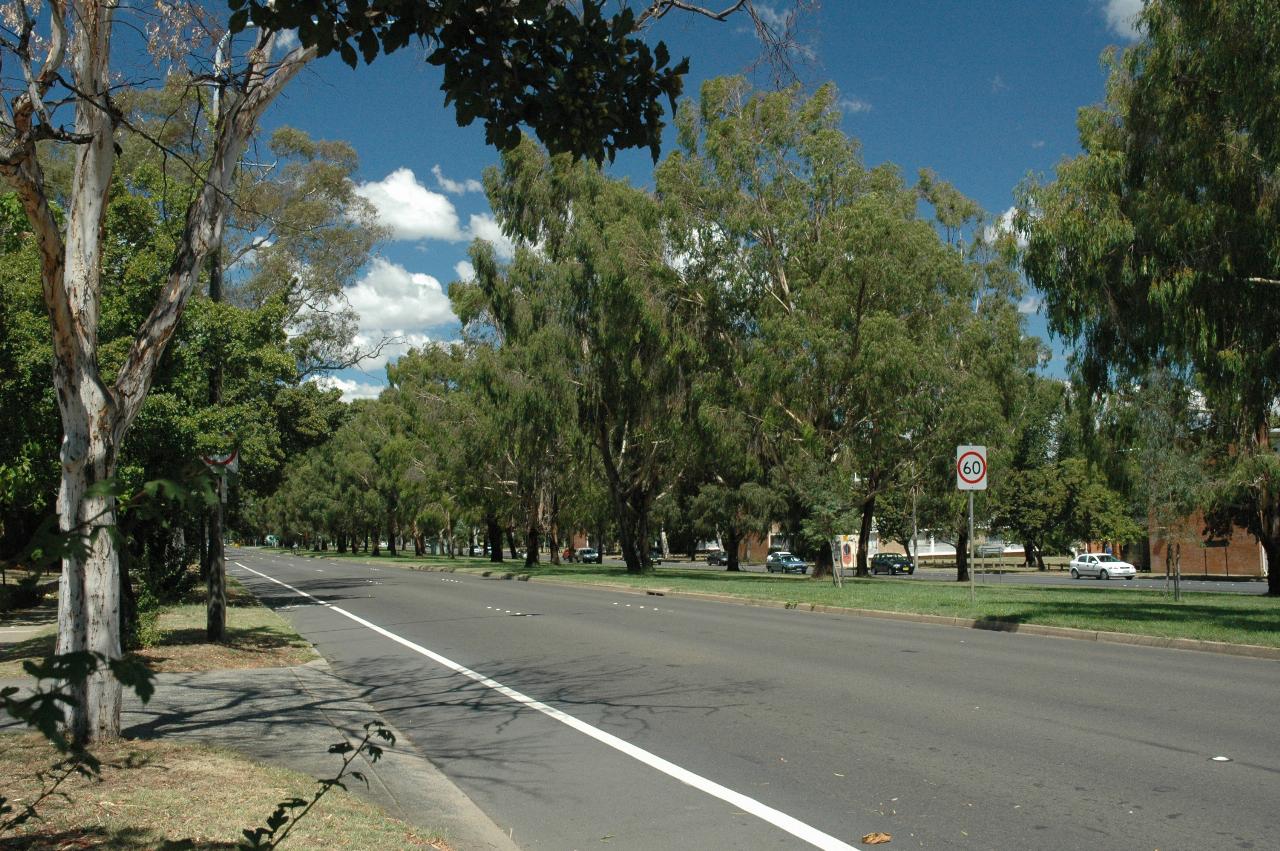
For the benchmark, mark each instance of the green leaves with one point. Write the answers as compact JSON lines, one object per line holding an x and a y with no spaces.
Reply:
{"x":585,"y":84}
{"x":289,"y":811}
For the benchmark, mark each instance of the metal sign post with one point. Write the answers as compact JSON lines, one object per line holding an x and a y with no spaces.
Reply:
{"x":971,"y":475}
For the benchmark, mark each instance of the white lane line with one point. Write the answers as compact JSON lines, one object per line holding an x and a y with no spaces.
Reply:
{"x":762,"y":811}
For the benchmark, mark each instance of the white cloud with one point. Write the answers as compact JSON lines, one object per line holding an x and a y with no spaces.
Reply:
{"x":771,"y":17}
{"x":390,"y":296}
{"x":1122,"y":17}
{"x":413,"y":212}
{"x":998,"y":84}
{"x":410,"y":210}
{"x":486,"y":227}
{"x":1004,"y":225}
{"x":1038,"y":144}
{"x":852,"y":105}
{"x":286,"y":40}
{"x":1030,"y":304}
{"x":464,"y":270}
{"x":351,"y":390}
{"x":456,"y":187}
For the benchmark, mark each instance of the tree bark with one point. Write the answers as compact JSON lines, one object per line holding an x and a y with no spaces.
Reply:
{"x":864,"y":534}
{"x":531,"y":543}
{"x":493,"y":535}
{"x":962,"y":556}
{"x":732,"y":541}
{"x":823,"y":566}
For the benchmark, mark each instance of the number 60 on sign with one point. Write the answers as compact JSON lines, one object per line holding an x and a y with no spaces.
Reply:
{"x":971,"y":468}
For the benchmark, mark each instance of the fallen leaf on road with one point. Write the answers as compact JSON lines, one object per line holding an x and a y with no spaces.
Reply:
{"x":877,"y":838}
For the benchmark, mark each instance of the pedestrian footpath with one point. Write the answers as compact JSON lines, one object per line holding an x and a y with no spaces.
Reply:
{"x":289,"y":717}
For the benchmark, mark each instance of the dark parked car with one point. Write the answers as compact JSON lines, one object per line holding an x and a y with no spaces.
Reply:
{"x":784,"y":562}
{"x":890,"y":563}
{"x":720,"y":557}
{"x":655,"y":555}
{"x":588,"y":555}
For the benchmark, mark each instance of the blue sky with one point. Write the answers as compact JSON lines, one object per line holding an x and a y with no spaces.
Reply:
{"x":983,"y":92}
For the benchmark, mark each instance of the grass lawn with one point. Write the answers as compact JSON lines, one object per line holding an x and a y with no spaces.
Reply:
{"x":1234,"y":618}
{"x":158,"y":794}
{"x":256,"y":638}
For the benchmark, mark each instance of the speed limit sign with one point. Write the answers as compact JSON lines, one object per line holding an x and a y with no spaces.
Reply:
{"x":971,"y":468}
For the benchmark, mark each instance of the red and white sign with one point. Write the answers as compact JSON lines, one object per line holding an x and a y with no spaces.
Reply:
{"x":971,"y":468}
{"x":229,"y":462}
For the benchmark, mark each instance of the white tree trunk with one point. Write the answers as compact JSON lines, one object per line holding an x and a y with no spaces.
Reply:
{"x":95,"y":417}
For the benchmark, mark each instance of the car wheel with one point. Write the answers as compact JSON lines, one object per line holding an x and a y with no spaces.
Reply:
{"x":1075,"y":574}
{"x":1104,"y":575}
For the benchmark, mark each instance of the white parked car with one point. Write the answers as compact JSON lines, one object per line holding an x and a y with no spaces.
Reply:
{"x":1102,"y":566}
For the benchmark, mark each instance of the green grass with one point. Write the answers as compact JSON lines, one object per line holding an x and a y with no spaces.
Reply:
{"x":1233,"y":618}
{"x":256,"y":637}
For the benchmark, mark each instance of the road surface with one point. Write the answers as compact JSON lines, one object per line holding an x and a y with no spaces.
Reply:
{"x":599,"y":719}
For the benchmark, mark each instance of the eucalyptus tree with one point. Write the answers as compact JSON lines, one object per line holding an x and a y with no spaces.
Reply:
{"x":522,"y":357}
{"x":1157,"y":246}
{"x":595,"y":90}
{"x":601,"y":281}
{"x":852,"y":295}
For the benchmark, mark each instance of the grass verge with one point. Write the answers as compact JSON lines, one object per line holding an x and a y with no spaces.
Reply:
{"x":256,"y":638}
{"x":158,"y":794}
{"x":1232,"y":618}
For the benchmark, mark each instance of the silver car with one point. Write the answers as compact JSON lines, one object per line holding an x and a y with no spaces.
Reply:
{"x":1101,"y":565}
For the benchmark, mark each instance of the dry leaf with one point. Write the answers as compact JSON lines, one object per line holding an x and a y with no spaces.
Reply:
{"x":877,"y":838}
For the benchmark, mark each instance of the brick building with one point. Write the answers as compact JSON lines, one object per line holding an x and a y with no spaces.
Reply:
{"x":1238,"y":555}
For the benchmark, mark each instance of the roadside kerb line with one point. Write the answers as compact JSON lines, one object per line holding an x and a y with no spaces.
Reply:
{"x":777,"y":818}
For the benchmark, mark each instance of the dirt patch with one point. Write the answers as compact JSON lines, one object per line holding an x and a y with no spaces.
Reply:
{"x":157,"y":794}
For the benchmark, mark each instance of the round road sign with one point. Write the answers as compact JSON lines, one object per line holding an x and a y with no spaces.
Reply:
{"x":971,"y":468}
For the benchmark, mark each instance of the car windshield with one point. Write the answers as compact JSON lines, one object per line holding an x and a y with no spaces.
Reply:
{"x":1107,"y":558}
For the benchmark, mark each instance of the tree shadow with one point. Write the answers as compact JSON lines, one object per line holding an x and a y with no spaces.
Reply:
{"x":252,"y":639}
{"x":104,"y":837}
{"x":31,"y":648}
{"x":1263,"y":622}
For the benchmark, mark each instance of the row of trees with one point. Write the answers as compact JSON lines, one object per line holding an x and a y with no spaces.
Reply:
{"x":599,"y":91}
{"x":775,"y":334}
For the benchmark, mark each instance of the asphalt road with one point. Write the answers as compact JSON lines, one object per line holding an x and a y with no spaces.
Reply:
{"x":598,"y":719}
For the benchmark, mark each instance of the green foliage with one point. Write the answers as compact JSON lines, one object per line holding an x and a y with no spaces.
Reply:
{"x":1158,"y":247}
{"x":585,"y":84}
{"x":292,"y":810}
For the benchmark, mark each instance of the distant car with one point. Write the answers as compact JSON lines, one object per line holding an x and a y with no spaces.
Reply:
{"x":720,"y":557}
{"x":1102,"y":566}
{"x":989,"y":549}
{"x":785,"y":562}
{"x":891,"y":563}
{"x":588,"y":555}
{"x":655,"y":555}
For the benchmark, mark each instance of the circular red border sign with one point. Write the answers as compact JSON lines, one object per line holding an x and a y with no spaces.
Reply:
{"x":960,"y":464}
